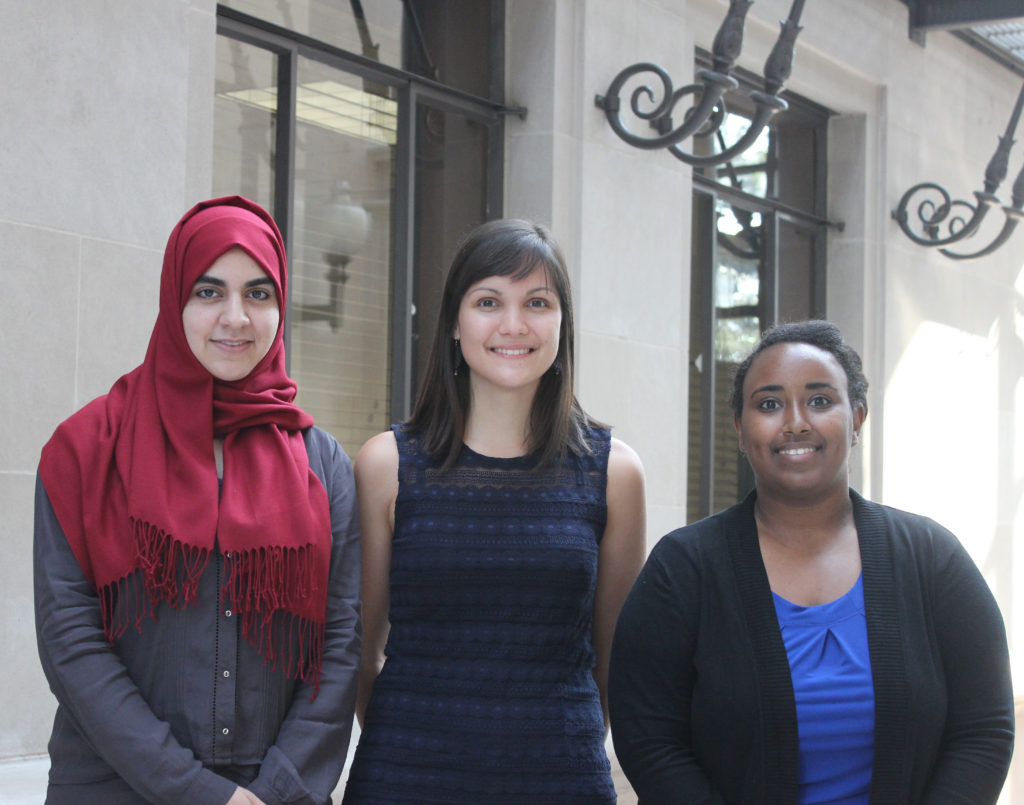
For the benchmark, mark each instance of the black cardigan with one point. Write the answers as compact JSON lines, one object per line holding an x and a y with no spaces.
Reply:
{"x":702,"y":705}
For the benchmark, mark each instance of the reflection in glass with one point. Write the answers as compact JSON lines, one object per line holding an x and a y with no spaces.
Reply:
{"x":752,"y":171}
{"x":243,"y":132}
{"x":737,"y":284}
{"x":451,"y":163}
{"x":341,"y":262}
{"x":448,"y":41}
{"x":748,"y":171}
{"x":333,"y":105}
{"x":340,"y":273}
{"x":371,"y":29}
{"x":799,"y":294}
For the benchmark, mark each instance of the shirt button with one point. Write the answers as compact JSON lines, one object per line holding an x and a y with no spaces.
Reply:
{"x":227,"y":613}
{"x":225,"y":730}
{"x":227,"y":674}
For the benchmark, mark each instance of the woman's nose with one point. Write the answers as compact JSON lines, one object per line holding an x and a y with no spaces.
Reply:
{"x":512,"y":321}
{"x":794,"y":420}
{"x":234,"y":312}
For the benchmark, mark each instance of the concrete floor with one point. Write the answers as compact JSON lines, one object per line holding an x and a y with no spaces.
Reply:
{"x":23,"y":781}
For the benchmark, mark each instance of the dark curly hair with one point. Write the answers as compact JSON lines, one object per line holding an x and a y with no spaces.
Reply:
{"x":822,"y":334}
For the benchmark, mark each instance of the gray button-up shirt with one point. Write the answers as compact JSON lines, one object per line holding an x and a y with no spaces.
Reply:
{"x":183,"y":709}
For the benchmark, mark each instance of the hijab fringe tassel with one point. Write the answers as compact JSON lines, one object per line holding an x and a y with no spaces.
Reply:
{"x":265,"y":586}
{"x":268,"y":587}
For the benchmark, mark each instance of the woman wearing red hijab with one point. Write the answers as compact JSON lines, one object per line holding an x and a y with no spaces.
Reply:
{"x":197,"y":553}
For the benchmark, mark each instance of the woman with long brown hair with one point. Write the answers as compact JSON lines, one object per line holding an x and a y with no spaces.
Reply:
{"x":502,"y":529}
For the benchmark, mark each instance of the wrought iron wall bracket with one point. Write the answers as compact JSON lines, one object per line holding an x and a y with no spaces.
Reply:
{"x":933,"y":217}
{"x":1014,"y":215}
{"x":940,"y":225}
{"x":767,"y":107}
{"x":711,"y":89}
{"x":708,"y":112}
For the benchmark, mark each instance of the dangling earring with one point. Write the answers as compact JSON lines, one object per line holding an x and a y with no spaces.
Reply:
{"x":557,"y":367}
{"x":458,"y":357}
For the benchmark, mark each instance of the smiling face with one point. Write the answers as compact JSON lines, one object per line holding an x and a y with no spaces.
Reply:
{"x":231,"y":316}
{"x":798,"y":426}
{"x":509,"y":330}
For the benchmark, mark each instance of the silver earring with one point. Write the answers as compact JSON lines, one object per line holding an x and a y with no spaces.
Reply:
{"x":458,"y":357}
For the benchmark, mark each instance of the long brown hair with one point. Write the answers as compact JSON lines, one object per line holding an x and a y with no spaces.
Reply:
{"x":504,"y":248}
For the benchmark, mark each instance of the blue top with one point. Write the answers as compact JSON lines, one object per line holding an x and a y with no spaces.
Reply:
{"x":487,"y":692}
{"x":827,"y":647}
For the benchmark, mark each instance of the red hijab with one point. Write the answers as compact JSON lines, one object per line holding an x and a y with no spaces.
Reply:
{"x":133,"y":481}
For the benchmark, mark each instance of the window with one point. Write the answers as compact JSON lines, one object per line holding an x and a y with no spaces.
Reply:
{"x":337,"y":118}
{"x":758,"y":234}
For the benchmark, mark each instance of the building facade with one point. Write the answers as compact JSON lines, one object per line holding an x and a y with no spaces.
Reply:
{"x":379,"y":137}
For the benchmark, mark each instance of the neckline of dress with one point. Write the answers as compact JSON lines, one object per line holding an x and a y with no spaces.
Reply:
{"x":523,"y":459}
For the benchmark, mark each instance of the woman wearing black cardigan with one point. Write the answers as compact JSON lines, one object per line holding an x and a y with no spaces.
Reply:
{"x":806,"y":645}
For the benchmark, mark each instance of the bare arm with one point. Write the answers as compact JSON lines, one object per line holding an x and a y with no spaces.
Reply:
{"x":376,"y":471}
{"x":623,"y":548}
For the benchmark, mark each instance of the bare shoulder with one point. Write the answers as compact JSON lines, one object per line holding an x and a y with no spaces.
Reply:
{"x":624,"y":465}
{"x":376,"y":467}
{"x":624,"y":541}
{"x":625,"y":490}
{"x":378,"y":453}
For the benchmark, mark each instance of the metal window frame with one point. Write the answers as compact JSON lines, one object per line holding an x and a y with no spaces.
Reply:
{"x":412,"y":92}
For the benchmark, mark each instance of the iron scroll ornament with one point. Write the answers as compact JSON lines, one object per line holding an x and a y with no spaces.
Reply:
{"x":1013,"y":213}
{"x":946,"y":222}
{"x":708,"y":112}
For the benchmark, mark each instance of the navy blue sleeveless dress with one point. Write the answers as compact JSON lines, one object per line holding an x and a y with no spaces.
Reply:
{"x":487,"y":693}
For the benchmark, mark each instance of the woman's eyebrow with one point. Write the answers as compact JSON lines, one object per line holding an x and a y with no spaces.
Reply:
{"x":821,"y":384}
{"x":497,"y":292}
{"x":766,"y":388}
{"x":206,"y":279}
